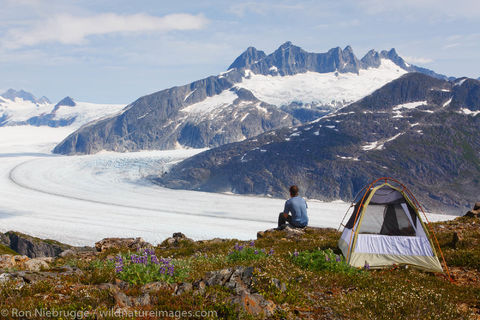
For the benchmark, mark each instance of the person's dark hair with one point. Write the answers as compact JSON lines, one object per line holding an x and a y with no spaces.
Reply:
{"x":294,"y":191}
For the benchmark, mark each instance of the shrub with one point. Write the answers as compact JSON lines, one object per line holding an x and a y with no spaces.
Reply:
{"x":247,"y":253}
{"x":323,"y":260}
{"x":97,"y":271}
{"x":139,"y":269}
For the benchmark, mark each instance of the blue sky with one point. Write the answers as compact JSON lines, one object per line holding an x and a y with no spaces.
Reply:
{"x":116,"y":51}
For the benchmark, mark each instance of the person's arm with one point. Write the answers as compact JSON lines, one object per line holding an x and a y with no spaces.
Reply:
{"x":286,"y":209}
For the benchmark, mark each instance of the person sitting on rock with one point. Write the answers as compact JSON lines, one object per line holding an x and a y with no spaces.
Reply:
{"x":297,"y":206}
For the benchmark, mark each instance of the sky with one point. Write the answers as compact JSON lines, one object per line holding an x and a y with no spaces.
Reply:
{"x":114,"y":51}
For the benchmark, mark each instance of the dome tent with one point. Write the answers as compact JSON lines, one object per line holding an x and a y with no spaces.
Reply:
{"x":385,"y":228}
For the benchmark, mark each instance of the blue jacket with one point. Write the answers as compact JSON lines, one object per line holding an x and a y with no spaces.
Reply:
{"x":297,"y":206}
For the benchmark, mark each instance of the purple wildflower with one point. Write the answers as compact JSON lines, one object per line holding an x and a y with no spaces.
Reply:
{"x":337,"y":258}
{"x":255,"y":252}
{"x":171,"y":270}
{"x":252,"y":243}
{"x":263,"y":250}
{"x":149,"y":252}
{"x":295,"y":253}
{"x":367,"y":266}
{"x":271,"y":252}
{"x":119,"y":264}
{"x":327,"y":258}
{"x":154,"y":259}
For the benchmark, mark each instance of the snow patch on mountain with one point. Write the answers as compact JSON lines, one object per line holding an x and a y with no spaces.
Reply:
{"x":225,"y":98}
{"x":379,"y":145}
{"x":21,"y":112}
{"x":469,"y":112}
{"x":320,"y":88}
{"x":410,"y":105}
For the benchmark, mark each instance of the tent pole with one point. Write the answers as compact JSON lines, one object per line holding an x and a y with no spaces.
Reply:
{"x":351,"y":205}
{"x":434,"y":235}
{"x":356,"y":217}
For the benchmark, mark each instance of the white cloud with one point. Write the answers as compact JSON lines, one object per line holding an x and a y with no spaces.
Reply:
{"x":69,"y":29}
{"x":420,"y":60}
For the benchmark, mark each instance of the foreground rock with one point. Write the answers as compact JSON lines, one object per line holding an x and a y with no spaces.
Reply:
{"x":240,"y":281}
{"x":175,"y":240}
{"x":121,"y":243}
{"x":288,"y":232}
{"x":8,"y":261}
{"x":32,"y":247}
{"x":475,"y":213}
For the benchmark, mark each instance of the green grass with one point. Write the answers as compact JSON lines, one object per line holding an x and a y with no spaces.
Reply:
{"x":325,"y":260}
{"x":297,"y":277}
{"x":6,"y":250}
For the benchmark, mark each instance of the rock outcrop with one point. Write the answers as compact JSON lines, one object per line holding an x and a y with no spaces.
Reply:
{"x":475,"y":213}
{"x":175,"y":240}
{"x":121,"y":243}
{"x":32,"y":247}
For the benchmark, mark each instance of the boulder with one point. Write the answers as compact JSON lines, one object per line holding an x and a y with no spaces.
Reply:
{"x":255,"y":304}
{"x":239,"y":279}
{"x":36,"y":265}
{"x":475,"y":213}
{"x":12,"y":261}
{"x":156,"y":286}
{"x":183,"y":288}
{"x":7,"y":261}
{"x":5,"y":277}
{"x":34,"y":247}
{"x":288,"y":232}
{"x":176,"y":239}
{"x":67,"y":253}
{"x":217,"y":278}
{"x":121,"y":243}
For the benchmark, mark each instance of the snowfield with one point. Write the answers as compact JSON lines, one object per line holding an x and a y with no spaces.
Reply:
{"x":19,"y":111}
{"x":81,"y":199}
{"x":320,"y":88}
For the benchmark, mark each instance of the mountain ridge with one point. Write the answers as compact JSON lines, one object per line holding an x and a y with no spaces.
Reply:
{"x":66,"y":112}
{"x":417,"y":128}
{"x":162,"y":120}
{"x":11,"y":94}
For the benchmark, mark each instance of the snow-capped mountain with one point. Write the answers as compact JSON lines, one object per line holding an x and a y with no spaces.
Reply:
{"x":419,"y":129}
{"x":12,"y":94}
{"x":22,"y":108}
{"x":258,"y":93}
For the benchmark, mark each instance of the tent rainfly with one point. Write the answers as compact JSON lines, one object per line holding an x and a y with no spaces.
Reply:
{"x":386,"y":229}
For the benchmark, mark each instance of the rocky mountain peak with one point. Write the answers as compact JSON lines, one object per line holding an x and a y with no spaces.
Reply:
{"x":11,"y":94}
{"x":247,"y":58}
{"x":371,"y":59}
{"x":393,"y":56}
{"x":285,"y":45}
{"x":67,"y":101}
{"x":44,"y":99}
